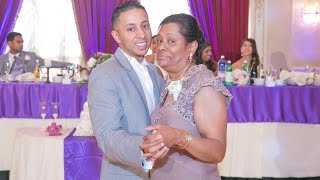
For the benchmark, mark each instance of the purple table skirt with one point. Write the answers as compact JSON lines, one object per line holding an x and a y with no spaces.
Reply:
{"x":289,"y":104}
{"x":22,"y":100}
{"x":82,"y":158}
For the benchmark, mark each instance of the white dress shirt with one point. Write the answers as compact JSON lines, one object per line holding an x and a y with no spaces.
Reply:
{"x":141,"y":70}
{"x":11,"y":58}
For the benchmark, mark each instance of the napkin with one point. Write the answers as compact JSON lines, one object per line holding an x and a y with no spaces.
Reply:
{"x":297,"y":78}
{"x":25,"y":77}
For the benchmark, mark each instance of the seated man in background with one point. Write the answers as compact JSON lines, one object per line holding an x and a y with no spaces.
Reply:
{"x":21,"y":61}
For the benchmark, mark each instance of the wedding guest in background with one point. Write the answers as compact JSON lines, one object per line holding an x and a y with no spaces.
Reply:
{"x":22,"y":61}
{"x":191,"y":118}
{"x":205,"y":57}
{"x":153,"y":47}
{"x":123,"y":92}
{"x":249,"y":53}
{"x":152,"y":58}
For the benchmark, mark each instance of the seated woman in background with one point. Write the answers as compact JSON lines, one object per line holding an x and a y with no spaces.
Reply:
{"x":205,"y":57}
{"x":250,"y":54}
{"x":151,"y":58}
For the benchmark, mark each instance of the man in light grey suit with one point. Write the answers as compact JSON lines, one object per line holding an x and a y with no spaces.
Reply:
{"x":123,"y":92}
{"x":27,"y":60}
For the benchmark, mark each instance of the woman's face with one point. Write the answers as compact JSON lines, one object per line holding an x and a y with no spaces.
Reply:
{"x":153,"y":46}
{"x":206,"y":54}
{"x":173,"y":49}
{"x":246,"y":48}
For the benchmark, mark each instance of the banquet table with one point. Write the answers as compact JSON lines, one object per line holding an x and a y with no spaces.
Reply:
{"x":272,"y":132}
{"x":20,"y":107}
{"x":37,"y":155}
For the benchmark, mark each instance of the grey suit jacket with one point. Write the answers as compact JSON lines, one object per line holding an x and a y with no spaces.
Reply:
{"x":29,"y":62}
{"x":119,"y":113}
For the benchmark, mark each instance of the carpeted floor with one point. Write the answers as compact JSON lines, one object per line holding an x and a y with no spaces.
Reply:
{"x":4,"y":175}
{"x":266,"y":178}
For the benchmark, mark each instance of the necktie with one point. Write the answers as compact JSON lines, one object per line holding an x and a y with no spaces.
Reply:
{"x":17,"y":67}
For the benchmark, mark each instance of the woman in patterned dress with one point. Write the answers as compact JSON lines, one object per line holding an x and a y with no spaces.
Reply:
{"x":189,"y":125}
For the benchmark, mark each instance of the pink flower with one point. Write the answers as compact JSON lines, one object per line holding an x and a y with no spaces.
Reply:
{"x":54,"y":129}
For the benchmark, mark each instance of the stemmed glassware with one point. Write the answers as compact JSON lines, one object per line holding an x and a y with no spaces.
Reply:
{"x":7,"y":71}
{"x":43,"y":107}
{"x":55,"y":112}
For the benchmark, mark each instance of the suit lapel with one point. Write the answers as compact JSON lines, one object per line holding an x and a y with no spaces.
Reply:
{"x":132,"y":75}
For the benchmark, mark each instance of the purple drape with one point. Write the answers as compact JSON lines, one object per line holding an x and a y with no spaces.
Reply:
{"x":225,"y":23}
{"x":8,"y":13}
{"x":93,"y":20}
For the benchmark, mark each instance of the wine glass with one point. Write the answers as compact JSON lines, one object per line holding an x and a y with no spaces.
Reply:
{"x":43,"y":107}
{"x":7,"y":71}
{"x":43,"y":73}
{"x":55,"y":107}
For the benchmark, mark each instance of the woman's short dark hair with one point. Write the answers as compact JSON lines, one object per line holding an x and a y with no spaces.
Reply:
{"x":188,"y":28}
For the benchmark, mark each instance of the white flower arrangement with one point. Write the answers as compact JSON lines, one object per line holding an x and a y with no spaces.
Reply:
{"x":241,"y":77}
{"x":97,"y":59}
{"x":84,"y":127}
{"x":175,"y":87}
{"x":27,"y":58}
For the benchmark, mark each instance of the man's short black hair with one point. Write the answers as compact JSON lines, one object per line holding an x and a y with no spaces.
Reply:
{"x":123,"y":8}
{"x":12,"y":35}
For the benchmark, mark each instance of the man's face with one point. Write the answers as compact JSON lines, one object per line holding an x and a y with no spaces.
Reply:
{"x":16,"y":45}
{"x":133,"y":33}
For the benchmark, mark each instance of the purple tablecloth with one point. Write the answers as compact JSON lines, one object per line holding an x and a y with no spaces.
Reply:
{"x":290,"y":104}
{"x":82,"y":158}
{"x":250,"y":104}
{"x":22,"y":100}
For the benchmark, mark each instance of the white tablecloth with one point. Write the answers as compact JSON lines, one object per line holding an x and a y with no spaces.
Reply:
{"x":272,"y":150}
{"x":37,"y":156}
{"x":8,"y":129}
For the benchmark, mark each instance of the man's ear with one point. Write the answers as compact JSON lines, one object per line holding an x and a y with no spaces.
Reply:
{"x":9,"y":44}
{"x":115,"y":36}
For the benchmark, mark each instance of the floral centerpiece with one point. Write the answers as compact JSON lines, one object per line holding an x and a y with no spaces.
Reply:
{"x":97,"y":59}
{"x":241,"y":77}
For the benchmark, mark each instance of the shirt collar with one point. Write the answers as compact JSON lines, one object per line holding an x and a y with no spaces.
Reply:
{"x":12,"y":55}
{"x":134,"y":60}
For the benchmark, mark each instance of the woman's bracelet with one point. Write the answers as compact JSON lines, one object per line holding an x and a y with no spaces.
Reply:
{"x":188,"y":140}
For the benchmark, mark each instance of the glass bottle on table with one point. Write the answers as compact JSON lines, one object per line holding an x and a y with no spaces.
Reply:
{"x":37,"y":71}
{"x":245,"y":67}
{"x":261,"y":70}
{"x":229,"y":76}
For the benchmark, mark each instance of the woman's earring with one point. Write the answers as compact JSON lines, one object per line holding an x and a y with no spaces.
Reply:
{"x":190,"y":56}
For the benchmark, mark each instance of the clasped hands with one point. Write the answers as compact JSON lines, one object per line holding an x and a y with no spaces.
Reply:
{"x":156,"y":145}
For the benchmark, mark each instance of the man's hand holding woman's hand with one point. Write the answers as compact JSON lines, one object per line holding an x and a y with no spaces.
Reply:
{"x":156,"y":145}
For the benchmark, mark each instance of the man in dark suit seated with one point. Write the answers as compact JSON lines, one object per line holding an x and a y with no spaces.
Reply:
{"x":21,"y":61}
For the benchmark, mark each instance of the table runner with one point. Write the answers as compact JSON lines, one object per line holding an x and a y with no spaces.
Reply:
{"x":82,"y":158}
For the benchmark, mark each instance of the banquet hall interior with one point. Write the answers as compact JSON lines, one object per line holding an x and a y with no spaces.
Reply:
{"x":45,"y":129}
